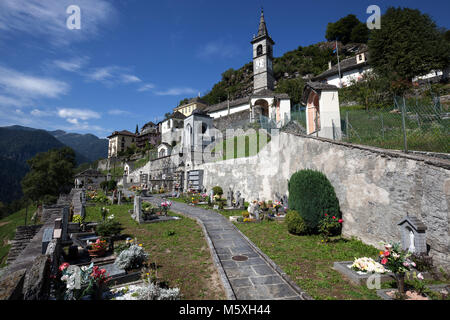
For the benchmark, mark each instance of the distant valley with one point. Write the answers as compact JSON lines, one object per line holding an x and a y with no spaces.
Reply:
{"x":18,"y":144}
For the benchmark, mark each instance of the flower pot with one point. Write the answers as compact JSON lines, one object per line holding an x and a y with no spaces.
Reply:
{"x":95,"y":253}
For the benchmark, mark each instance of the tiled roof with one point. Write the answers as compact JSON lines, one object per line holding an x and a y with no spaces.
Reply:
{"x":122,"y":133}
{"x":346,"y":65}
{"x":321,"y":86}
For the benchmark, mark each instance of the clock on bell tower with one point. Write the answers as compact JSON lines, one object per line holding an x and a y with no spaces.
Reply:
{"x":263,"y":78}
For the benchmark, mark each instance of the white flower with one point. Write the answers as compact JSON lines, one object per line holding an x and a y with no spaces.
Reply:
{"x":111,"y":217}
{"x":420,"y":276}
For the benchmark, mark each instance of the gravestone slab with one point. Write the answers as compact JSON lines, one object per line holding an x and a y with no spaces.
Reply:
{"x":46,"y":238}
{"x":113,"y":270}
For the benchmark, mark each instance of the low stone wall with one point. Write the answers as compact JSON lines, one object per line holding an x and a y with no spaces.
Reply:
{"x":376,"y":188}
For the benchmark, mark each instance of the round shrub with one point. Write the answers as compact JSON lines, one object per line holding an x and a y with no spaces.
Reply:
{"x":311,"y":195}
{"x":295,"y":223}
{"x":217,"y":190}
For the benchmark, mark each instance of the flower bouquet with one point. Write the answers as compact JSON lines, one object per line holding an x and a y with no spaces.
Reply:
{"x":367,"y":265}
{"x":397,"y":260}
{"x":165,"y":206}
{"x":80,"y":282}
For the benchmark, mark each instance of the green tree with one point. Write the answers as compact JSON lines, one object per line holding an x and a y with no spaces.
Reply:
{"x":342,"y":29}
{"x":51,"y":173}
{"x":293,"y":87}
{"x":408,"y":44}
{"x":167,"y":115}
{"x":447,"y":35}
{"x":360,"y":34}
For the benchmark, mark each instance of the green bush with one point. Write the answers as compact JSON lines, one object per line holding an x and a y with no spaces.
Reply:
{"x":295,"y":223}
{"x":312,"y":195}
{"x":109,"y":228}
{"x":217,"y":190}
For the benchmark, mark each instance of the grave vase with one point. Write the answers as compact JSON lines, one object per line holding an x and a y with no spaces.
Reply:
{"x":400,"y":277}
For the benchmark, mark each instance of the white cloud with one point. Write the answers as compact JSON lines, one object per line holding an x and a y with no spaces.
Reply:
{"x":41,"y":113}
{"x":47,"y":19}
{"x":20,"y":89}
{"x":102,"y":74}
{"x":72,"y":65}
{"x":220,"y":48}
{"x":129,"y":78}
{"x":74,"y":114}
{"x":12,"y":102}
{"x":176,"y":92}
{"x":146,"y":87}
{"x":118,"y":112}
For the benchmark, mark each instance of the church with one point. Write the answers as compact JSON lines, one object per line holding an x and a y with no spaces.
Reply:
{"x":263,"y":102}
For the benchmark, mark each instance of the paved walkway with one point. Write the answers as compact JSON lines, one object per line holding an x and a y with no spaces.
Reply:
{"x":257,"y":278}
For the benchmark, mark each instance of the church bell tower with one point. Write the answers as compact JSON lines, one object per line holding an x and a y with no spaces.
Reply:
{"x":263,"y":78}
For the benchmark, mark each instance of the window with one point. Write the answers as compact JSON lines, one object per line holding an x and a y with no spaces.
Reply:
{"x":259,"y":50}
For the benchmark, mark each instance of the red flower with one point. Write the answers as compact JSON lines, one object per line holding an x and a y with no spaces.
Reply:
{"x":326,"y":215}
{"x":63,"y":266}
{"x":340,"y":220}
{"x":386,"y":253}
{"x":384,"y":261}
{"x":334,"y":217}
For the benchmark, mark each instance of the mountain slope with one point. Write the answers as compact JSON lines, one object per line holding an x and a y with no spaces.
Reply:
{"x":88,"y":145}
{"x":17,"y":145}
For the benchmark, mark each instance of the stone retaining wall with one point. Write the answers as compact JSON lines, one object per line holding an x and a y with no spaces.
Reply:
{"x":376,"y":188}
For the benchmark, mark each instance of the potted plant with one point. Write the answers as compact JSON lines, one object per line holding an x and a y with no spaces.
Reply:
{"x":165,"y":206}
{"x":97,"y":248}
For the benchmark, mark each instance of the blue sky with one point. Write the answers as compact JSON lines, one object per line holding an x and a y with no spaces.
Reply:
{"x":134,"y":60}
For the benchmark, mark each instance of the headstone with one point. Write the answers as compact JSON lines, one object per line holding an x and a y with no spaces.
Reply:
{"x":137,"y":209}
{"x":278,"y":197}
{"x":83,"y":212}
{"x":284,"y":201}
{"x":37,"y":280}
{"x":237,"y":199}
{"x":413,"y":233}
{"x":114,"y":196}
{"x":119,"y":198}
{"x":83,"y":198}
{"x":65,"y":222}
{"x":230,"y":197}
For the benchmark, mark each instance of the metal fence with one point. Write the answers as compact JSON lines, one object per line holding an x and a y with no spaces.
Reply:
{"x":411,"y":124}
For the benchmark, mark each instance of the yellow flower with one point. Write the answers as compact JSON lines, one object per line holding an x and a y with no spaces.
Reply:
{"x":140,"y":244}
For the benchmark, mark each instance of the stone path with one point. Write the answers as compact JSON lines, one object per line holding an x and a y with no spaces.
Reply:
{"x":257,"y":278}
{"x":76,"y":201}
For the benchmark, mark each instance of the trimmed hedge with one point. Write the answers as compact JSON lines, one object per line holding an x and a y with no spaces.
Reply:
{"x":217,"y":190}
{"x":311,"y":195}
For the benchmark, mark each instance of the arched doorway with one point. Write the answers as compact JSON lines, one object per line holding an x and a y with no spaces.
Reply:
{"x":262,"y":107}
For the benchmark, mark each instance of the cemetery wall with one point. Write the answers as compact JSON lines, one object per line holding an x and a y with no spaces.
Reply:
{"x":376,"y":188}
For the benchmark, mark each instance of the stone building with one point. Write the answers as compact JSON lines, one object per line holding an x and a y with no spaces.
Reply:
{"x":351,"y":69}
{"x":119,"y":141}
{"x":171,"y":128}
{"x":89,"y":178}
{"x":149,"y":133}
{"x":189,"y":107}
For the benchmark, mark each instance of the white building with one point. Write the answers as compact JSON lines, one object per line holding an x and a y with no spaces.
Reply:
{"x":351,"y":69}
{"x":323,"y":117}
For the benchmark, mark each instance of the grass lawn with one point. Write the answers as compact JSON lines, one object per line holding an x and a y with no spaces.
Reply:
{"x":309,"y":262}
{"x":183,"y":259}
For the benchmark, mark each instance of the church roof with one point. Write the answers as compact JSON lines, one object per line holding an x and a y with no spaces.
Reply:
{"x":122,"y":133}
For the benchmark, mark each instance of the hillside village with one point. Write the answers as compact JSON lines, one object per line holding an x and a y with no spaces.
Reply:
{"x":296,"y":185}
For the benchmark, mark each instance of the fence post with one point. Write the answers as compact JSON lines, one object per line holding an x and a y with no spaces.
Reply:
{"x":347,"y":126}
{"x":405,"y":142}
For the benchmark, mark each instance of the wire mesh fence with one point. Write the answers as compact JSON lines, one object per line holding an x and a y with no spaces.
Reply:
{"x":409,"y":125}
